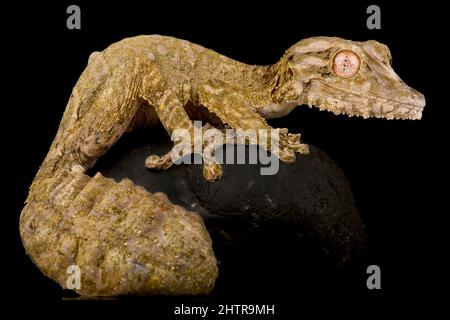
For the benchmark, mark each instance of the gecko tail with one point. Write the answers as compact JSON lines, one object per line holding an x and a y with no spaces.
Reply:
{"x":123,"y":239}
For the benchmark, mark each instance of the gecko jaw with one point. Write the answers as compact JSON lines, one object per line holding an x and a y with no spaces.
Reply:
{"x":410,"y":113}
{"x":352,"y":103}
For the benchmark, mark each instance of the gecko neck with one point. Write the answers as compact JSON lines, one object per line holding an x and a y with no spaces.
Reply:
{"x":260,"y":82}
{"x":267,"y":88}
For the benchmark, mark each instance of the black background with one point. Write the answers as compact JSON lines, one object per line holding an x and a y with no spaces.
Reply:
{"x":393,"y":166}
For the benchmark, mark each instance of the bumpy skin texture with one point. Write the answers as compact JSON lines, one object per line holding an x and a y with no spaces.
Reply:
{"x":126,"y":240}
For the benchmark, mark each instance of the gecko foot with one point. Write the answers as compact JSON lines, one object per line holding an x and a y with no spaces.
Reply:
{"x":292,"y":142}
{"x":159,"y":163}
{"x":285,"y":154}
{"x":212,"y":171}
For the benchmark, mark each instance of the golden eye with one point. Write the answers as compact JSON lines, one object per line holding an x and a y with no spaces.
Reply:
{"x":346,"y":64}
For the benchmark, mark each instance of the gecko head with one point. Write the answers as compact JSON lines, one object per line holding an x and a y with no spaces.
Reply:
{"x":346,"y":77}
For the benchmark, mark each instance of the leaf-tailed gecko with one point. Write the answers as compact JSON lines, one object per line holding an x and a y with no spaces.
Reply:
{"x":127,"y":240}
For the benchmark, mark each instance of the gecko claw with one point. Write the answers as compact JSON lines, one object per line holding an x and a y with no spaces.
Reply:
{"x":303,"y":148}
{"x":285,"y":154}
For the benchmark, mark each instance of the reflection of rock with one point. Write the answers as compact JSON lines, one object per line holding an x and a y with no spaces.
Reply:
{"x":269,"y":232}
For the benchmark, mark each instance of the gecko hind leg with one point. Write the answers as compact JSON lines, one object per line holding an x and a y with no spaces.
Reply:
{"x":169,"y":110}
{"x":173,"y":117}
{"x":212,"y":170}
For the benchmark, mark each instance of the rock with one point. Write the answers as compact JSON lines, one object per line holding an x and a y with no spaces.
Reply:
{"x":299,"y":227}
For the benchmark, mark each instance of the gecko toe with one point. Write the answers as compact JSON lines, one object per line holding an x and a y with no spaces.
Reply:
{"x":212,"y":171}
{"x":158,"y":163}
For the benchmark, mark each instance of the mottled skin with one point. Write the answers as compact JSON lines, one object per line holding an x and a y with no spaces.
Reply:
{"x":126,"y":240}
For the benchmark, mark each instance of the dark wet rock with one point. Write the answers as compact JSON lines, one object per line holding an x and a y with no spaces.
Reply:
{"x":298,"y":228}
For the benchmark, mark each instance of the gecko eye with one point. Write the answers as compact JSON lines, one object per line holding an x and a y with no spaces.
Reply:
{"x":346,"y":64}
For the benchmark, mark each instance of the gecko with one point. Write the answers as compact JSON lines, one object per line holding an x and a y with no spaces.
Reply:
{"x":126,"y":240}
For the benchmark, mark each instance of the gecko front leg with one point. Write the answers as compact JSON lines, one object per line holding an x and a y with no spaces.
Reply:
{"x":236,"y":110}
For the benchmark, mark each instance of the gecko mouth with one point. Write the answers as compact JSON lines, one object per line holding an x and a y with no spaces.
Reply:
{"x":355,"y":103}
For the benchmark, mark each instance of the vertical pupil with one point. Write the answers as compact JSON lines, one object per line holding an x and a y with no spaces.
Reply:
{"x":346,"y":64}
